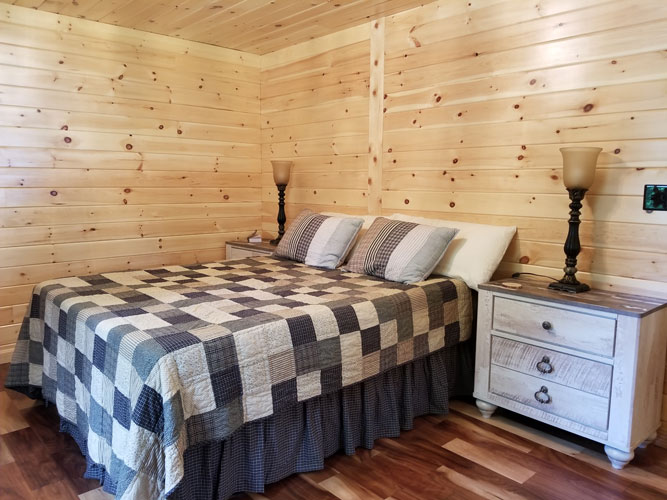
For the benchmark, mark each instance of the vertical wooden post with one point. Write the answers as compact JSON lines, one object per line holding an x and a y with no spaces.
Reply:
{"x":375,"y":118}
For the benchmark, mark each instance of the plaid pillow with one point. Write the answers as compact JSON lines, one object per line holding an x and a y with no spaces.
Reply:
{"x":318,"y":240}
{"x":400,"y":251}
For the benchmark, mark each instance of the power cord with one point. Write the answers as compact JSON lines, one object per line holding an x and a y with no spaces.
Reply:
{"x":516,"y":275}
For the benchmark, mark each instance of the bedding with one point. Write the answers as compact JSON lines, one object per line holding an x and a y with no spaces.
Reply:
{"x":400,"y":251}
{"x":368,"y":221}
{"x":474,"y":253}
{"x":144,"y":366}
{"x":318,"y":240}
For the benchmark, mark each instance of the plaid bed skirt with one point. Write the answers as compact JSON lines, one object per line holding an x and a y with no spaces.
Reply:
{"x":299,"y":438}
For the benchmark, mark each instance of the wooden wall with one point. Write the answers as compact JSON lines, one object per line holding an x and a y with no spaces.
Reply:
{"x":477,"y":98}
{"x":118,"y":150}
{"x":315,"y":109}
{"x":480,"y":98}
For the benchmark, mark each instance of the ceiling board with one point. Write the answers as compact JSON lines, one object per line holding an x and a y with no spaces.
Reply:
{"x":256,"y":26}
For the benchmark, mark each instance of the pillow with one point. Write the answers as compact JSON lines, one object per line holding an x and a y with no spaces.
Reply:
{"x":318,"y":240}
{"x":368,"y":220}
{"x":400,"y":251}
{"x":475,"y":251}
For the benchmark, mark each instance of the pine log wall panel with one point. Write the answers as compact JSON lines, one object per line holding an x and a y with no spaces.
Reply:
{"x":315,"y":112}
{"x":478,"y":97}
{"x":118,"y":150}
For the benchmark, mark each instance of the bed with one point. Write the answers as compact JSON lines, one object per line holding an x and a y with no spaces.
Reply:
{"x":206,"y":380}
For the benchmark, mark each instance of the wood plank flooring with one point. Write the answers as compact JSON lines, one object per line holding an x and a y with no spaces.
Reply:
{"x":457,"y":457}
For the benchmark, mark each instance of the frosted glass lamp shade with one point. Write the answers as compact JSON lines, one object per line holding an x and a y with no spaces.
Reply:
{"x":579,"y":167}
{"x":281,"y":171}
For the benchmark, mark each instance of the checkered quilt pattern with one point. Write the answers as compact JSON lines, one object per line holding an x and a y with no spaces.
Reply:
{"x":148,"y":363}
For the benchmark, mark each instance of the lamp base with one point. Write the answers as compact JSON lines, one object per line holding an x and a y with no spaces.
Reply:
{"x":572,"y":247}
{"x":276,"y":241}
{"x":569,"y":287}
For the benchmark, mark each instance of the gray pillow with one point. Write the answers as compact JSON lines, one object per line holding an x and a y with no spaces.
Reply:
{"x":400,"y":251}
{"x":318,"y":240}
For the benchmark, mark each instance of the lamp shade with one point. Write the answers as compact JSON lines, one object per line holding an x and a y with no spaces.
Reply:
{"x":281,"y":171}
{"x":579,"y":167}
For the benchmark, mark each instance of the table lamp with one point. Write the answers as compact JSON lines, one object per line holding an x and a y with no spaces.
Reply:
{"x":281,"y":173}
{"x":578,"y":174}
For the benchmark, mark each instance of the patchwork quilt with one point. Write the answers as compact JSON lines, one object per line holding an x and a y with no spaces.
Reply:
{"x":148,"y":363}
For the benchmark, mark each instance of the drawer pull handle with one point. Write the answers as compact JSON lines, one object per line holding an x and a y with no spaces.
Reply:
{"x":547,"y":325}
{"x":542,"y":396}
{"x":545,"y":365}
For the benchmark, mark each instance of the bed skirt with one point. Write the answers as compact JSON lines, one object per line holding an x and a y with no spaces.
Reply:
{"x":299,"y":438}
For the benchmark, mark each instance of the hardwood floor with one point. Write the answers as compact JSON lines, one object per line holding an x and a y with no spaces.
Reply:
{"x":456,"y":457}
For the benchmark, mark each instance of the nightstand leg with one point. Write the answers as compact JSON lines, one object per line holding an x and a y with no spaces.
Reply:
{"x":649,"y":440}
{"x":486,"y":409}
{"x":618,"y":458}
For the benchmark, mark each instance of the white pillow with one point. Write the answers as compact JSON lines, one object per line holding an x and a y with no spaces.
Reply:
{"x":474,"y":253}
{"x":368,"y":219}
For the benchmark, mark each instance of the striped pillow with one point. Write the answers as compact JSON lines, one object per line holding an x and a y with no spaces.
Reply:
{"x":400,"y":251}
{"x":318,"y":240}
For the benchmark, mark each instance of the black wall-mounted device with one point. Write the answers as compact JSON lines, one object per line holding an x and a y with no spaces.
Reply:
{"x":655,"y":197}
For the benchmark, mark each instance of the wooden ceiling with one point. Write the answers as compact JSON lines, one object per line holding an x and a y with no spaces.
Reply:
{"x":256,"y":26}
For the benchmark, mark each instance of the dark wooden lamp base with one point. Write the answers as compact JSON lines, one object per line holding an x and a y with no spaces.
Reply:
{"x":569,"y":287}
{"x":572,"y":247}
{"x":281,"y":213}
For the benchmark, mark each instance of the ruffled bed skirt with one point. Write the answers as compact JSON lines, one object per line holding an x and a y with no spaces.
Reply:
{"x":298,"y":439}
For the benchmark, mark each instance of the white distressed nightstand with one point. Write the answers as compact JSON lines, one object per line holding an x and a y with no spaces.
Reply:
{"x":591,"y":363}
{"x":240,"y":249}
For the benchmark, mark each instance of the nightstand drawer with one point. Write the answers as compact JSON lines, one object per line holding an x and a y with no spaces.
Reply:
{"x":572,"y":404}
{"x":241,"y":249}
{"x":240,"y":253}
{"x":577,"y":330}
{"x":571,"y":371}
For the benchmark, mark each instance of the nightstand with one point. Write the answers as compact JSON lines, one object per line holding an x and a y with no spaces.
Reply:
{"x":240,"y":249}
{"x":591,"y":363}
